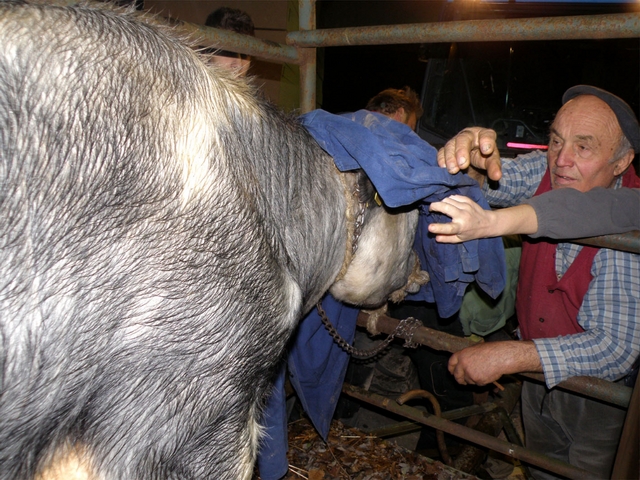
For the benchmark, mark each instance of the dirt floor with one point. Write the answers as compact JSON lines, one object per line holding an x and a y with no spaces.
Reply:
{"x":350,"y":454}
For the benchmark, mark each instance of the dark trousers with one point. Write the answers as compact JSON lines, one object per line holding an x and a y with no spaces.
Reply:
{"x":574,"y":429}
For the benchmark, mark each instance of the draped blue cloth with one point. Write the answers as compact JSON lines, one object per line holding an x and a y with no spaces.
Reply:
{"x":404,"y":170}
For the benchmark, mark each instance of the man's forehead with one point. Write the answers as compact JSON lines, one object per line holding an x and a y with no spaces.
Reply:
{"x":625,"y":117}
{"x":589,"y":102}
{"x":588,"y":116}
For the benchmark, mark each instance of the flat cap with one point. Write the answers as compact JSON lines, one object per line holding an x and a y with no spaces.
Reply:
{"x":626,"y":118}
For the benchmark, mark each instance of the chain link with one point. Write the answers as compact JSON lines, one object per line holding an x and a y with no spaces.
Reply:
{"x":359,"y":220}
{"x":406,"y":328}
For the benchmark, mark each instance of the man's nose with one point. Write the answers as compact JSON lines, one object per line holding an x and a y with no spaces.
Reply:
{"x":565,"y":156}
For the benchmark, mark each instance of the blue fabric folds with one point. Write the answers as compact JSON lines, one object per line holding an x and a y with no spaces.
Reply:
{"x":317,"y":366}
{"x":404,"y":170}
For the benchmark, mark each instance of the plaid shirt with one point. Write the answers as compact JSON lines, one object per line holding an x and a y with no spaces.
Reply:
{"x":610,"y":310}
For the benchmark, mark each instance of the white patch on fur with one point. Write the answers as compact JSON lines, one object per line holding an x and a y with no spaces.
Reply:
{"x":294,"y":301}
{"x":193,"y":151}
{"x":225,"y":99}
{"x":247,"y":457}
{"x":68,"y":463}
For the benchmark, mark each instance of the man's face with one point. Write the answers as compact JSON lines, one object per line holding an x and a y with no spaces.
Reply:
{"x":411,"y":120}
{"x":241,"y":66}
{"x":584,"y":138}
{"x":401,"y":116}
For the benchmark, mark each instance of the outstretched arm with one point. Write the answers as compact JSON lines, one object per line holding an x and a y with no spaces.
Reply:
{"x":561,"y":213}
{"x":470,"y":221}
{"x":568,"y":213}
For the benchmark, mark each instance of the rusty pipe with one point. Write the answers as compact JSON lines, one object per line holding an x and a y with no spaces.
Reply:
{"x":461,"y":431}
{"x":442,"y":446}
{"x":618,"y":25}
{"x":596,"y":388}
{"x":308,"y":63}
{"x":627,"y":242}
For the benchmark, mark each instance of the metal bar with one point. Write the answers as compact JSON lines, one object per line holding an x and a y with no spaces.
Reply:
{"x":408,"y":427}
{"x":461,"y":431}
{"x":620,"y":25}
{"x":596,"y":388}
{"x":400,"y":428}
{"x":307,"y":16}
{"x":229,"y":40}
{"x":463,"y":412}
{"x":628,"y":242}
{"x":223,"y":39}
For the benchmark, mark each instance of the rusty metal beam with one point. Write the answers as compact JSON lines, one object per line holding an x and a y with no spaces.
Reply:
{"x":469,"y":434}
{"x":224,"y":39}
{"x":621,"y":25}
{"x":596,"y":388}
{"x":307,"y":17}
{"x":409,"y":427}
{"x":229,"y":40}
{"x":628,"y":242}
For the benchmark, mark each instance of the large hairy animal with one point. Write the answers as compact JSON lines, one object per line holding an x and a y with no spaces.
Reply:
{"x":161,"y":232}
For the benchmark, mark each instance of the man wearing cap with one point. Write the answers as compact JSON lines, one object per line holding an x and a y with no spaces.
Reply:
{"x":578,"y":307}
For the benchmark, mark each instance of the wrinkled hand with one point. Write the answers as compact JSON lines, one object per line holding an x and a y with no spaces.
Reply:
{"x":473,"y":149}
{"x":468,"y":220}
{"x":487,"y":362}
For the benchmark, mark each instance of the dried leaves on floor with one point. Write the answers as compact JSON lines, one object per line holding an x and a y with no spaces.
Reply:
{"x":350,"y":454}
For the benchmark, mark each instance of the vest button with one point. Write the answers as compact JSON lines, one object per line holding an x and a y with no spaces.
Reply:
{"x":541,"y":320}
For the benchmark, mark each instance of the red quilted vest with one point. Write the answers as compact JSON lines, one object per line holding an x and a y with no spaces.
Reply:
{"x":548,"y":307}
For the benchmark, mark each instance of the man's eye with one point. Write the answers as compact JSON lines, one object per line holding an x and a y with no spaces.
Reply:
{"x":583,"y":150}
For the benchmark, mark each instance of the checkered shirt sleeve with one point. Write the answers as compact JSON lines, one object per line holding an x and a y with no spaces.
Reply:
{"x":520,"y":179}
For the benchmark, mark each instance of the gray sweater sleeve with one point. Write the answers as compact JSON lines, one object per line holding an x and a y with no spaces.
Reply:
{"x":568,"y":213}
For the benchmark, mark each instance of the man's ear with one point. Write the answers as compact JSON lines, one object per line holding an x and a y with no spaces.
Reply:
{"x":623,"y":163}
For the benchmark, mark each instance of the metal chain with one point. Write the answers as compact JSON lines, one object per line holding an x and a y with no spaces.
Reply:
{"x":405,"y":328}
{"x":359,"y":220}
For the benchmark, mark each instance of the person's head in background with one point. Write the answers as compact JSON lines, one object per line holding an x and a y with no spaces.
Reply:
{"x":237,"y":21}
{"x":402,"y":105}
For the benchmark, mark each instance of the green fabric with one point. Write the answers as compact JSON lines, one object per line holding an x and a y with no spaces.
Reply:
{"x":481,"y":314}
